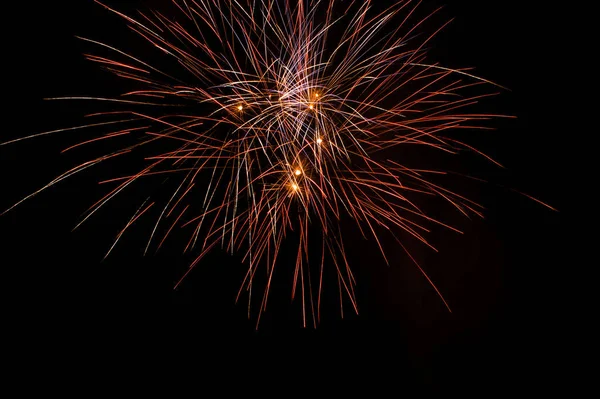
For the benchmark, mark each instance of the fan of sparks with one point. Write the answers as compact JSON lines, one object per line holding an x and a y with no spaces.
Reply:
{"x":275,"y":117}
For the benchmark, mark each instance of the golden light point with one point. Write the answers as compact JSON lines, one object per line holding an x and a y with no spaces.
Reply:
{"x":319,"y":140}
{"x":311,"y":106}
{"x":317,"y":95}
{"x":240,"y":107}
{"x":297,"y":172}
{"x":295,"y":187}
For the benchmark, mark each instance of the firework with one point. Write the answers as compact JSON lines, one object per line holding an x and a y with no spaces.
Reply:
{"x":283,"y":116}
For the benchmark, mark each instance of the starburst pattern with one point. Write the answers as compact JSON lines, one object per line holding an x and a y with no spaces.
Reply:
{"x":281,"y":116}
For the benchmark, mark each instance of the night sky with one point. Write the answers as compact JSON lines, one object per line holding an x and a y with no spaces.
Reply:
{"x":498,"y":276}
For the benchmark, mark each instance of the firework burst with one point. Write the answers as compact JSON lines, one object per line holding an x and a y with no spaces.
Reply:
{"x":281,"y":116}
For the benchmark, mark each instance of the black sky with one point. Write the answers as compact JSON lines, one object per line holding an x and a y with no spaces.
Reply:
{"x":498,"y":277}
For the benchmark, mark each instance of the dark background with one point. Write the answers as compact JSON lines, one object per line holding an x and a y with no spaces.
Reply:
{"x":501,"y":277}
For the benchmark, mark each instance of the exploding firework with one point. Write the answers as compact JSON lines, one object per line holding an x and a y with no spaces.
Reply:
{"x":276,"y":117}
